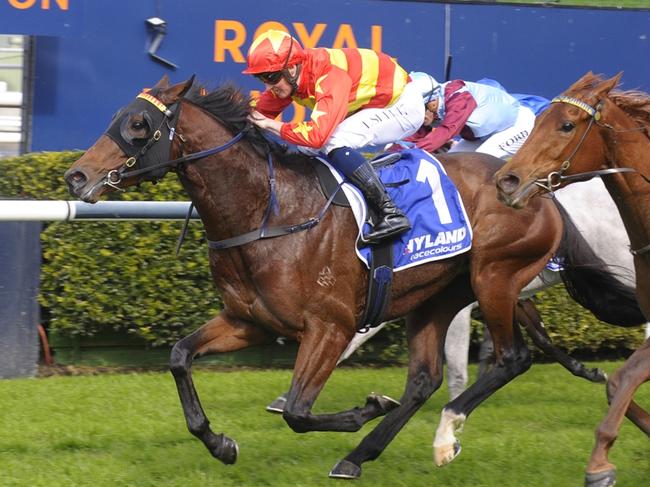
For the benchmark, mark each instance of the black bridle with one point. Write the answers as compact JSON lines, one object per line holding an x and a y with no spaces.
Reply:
{"x":159,"y":144}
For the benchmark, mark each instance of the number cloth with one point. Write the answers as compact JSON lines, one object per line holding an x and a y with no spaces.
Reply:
{"x":440,"y":226}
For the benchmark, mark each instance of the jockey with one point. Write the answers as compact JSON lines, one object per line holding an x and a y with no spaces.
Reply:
{"x":483,"y":114}
{"x":357,"y":97}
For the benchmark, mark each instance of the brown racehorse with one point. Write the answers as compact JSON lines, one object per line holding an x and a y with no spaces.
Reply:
{"x":309,"y":284}
{"x":592,"y":128}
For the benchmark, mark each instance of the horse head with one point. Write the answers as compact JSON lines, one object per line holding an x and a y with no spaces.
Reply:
{"x":138,"y":139}
{"x":569,"y":138}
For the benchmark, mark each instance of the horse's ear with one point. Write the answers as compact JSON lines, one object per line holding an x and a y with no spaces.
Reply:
{"x":606,"y":86}
{"x":188,"y":85}
{"x":176,"y":92}
{"x":585,"y":80}
{"x":163,"y":84}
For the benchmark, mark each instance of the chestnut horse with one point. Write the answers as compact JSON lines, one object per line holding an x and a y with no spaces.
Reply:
{"x":593,"y":130}
{"x":307,"y":283}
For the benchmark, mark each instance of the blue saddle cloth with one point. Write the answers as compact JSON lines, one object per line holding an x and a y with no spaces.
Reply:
{"x":440,"y":229}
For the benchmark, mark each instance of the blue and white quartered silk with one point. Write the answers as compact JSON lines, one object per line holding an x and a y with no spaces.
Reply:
{"x":440,"y":226}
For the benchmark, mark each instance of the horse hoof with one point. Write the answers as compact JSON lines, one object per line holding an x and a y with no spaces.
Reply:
{"x":598,"y":376}
{"x":446,"y":454}
{"x":345,"y":470}
{"x":384,"y":403}
{"x":225,"y":450}
{"x":601,"y":479}
{"x":277,"y":406}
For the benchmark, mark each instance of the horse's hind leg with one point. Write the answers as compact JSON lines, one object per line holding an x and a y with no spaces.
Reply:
{"x":320,"y":348}
{"x":218,"y":335}
{"x":527,"y":316}
{"x":623,"y":384}
{"x":512,"y":359}
{"x":457,"y":350}
{"x":426,"y":329}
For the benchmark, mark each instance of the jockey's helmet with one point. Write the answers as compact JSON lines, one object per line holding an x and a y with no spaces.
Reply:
{"x":426,"y":84}
{"x":273,"y":51}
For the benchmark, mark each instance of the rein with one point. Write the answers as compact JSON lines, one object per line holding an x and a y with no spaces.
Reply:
{"x":188,"y":158}
{"x":168,"y":121}
{"x":556,"y":178}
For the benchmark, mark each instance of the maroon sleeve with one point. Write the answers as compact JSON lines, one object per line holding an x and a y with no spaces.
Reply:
{"x":458,"y":108}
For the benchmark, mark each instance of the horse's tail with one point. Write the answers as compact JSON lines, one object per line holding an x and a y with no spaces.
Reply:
{"x":591,"y":283}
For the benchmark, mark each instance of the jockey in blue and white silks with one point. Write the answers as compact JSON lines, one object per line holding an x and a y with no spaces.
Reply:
{"x":482,"y":115}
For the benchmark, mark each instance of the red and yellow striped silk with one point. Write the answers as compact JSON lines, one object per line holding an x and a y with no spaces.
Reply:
{"x":335,"y":83}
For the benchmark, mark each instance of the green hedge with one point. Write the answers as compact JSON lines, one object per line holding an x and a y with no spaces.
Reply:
{"x":120,"y":275}
{"x":124,"y":276}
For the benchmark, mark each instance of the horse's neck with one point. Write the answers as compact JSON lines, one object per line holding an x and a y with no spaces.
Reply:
{"x":229,"y":189}
{"x":630,"y":191}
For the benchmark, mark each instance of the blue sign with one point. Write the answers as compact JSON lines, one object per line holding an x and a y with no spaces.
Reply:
{"x":542,"y":51}
{"x":42,"y":17}
{"x":82,"y":81}
{"x":100,"y":56}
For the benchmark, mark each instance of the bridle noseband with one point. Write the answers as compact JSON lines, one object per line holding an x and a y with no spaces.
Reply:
{"x":554,"y":179}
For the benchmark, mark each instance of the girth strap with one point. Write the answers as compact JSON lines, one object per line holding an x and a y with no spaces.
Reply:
{"x":380,"y":280}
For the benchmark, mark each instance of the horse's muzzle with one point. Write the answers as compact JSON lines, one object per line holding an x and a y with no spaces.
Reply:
{"x":77,"y":182}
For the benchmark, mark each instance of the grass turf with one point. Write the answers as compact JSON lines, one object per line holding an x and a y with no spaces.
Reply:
{"x":128,"y":430}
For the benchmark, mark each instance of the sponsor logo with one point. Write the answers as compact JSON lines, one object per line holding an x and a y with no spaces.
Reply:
{"x":427,"y":245}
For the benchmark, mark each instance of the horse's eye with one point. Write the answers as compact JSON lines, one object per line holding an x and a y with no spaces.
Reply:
{"x":139,"y":125}
{"x":567,"y":126}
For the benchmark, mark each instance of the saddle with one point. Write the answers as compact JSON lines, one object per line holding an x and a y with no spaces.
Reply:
{"x":381,"y":255}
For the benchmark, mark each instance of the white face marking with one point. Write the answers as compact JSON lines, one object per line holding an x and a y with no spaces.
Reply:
{"x":326,"y":277}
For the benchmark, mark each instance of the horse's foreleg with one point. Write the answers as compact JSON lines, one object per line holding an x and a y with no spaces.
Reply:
{"x":512,"y":359}
{"x":319,"y":351}
{"x":634,"y":413}
{"x":218,"y":335}
{"x":621,"y":388}
{"x":527,"y":315}
{"x":277,"y":405}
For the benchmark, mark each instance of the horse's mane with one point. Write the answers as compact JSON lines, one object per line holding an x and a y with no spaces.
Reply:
{"x":635,"y":103}
{"x":231,"y":107}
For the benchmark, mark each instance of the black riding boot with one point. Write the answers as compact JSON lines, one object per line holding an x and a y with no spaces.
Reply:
{"x":391,"y":220}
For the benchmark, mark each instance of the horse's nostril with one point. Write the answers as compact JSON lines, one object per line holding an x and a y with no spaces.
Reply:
{"x":77,"y":178}
{"x":508,"y":183}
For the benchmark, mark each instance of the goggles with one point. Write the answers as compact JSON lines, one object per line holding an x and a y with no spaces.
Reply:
{"x":270,"y":78}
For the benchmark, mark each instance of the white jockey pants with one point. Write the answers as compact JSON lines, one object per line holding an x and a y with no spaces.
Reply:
{"x":502,"y":144}
{"x":380,"y":126}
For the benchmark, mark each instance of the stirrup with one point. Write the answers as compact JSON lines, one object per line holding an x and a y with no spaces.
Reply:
{"x":375,"y":237}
